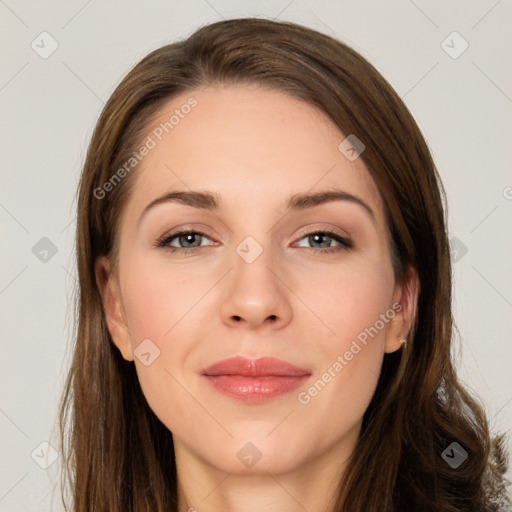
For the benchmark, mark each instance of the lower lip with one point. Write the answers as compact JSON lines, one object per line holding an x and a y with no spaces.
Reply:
{"x":255,"y":389}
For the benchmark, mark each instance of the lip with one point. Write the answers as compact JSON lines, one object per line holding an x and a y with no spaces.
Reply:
{"x":255,"y":380}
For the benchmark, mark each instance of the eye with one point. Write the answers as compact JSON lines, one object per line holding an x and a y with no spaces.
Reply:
{"x":191,"y":240}
{"x":319,"y":237}
{"x":182,"y":237}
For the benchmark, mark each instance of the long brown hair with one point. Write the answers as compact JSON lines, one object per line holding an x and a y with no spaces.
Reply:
{"x":118,"y":456}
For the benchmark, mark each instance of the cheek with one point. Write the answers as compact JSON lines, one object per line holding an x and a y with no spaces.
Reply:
{"x":166,"y":305}
{"x":162,"y":304}
{"x":354,"y":303}
{"x":158,"y":299}
{"x":347,"y":300}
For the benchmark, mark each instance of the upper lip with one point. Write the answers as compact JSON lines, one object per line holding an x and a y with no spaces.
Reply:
{"x":262,"y":367}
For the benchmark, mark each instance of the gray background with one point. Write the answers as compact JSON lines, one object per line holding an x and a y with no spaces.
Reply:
{"x":461,"y":101}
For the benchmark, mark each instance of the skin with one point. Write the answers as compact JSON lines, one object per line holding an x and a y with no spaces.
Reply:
{"x":255,"y":148}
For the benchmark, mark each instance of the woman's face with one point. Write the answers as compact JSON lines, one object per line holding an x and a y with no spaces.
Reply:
{"x":258,"y":280}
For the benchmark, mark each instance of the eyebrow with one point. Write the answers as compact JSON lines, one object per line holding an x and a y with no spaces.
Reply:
{"x":211,"y":201}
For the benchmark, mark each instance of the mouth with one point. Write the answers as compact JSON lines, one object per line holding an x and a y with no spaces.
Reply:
{"x":255,"y":381}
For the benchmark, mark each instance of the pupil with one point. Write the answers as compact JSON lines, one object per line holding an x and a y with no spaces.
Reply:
{"x":318,"y":236}
{"x":189,"y":238}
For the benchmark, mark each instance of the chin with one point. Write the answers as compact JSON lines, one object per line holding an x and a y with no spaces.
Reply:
{"x":272,"y":463}
{"x":256,"y":455}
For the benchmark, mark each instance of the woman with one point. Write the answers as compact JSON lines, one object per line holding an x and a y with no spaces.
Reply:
{"x":254,"y":370}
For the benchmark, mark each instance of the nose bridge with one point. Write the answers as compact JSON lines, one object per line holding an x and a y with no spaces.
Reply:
{"x":253,"y":264}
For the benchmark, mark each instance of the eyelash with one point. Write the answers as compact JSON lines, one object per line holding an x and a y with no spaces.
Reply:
{"x":163,"y":242}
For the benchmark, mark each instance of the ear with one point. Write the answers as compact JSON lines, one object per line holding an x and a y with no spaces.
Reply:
{"x":113,"y":307}
{"x":404,"y":303}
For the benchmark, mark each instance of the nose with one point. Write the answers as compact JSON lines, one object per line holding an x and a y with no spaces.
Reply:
{"x":256,"y":295}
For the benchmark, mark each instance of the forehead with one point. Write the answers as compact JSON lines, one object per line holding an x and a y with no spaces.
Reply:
{"x":254,"y":146}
